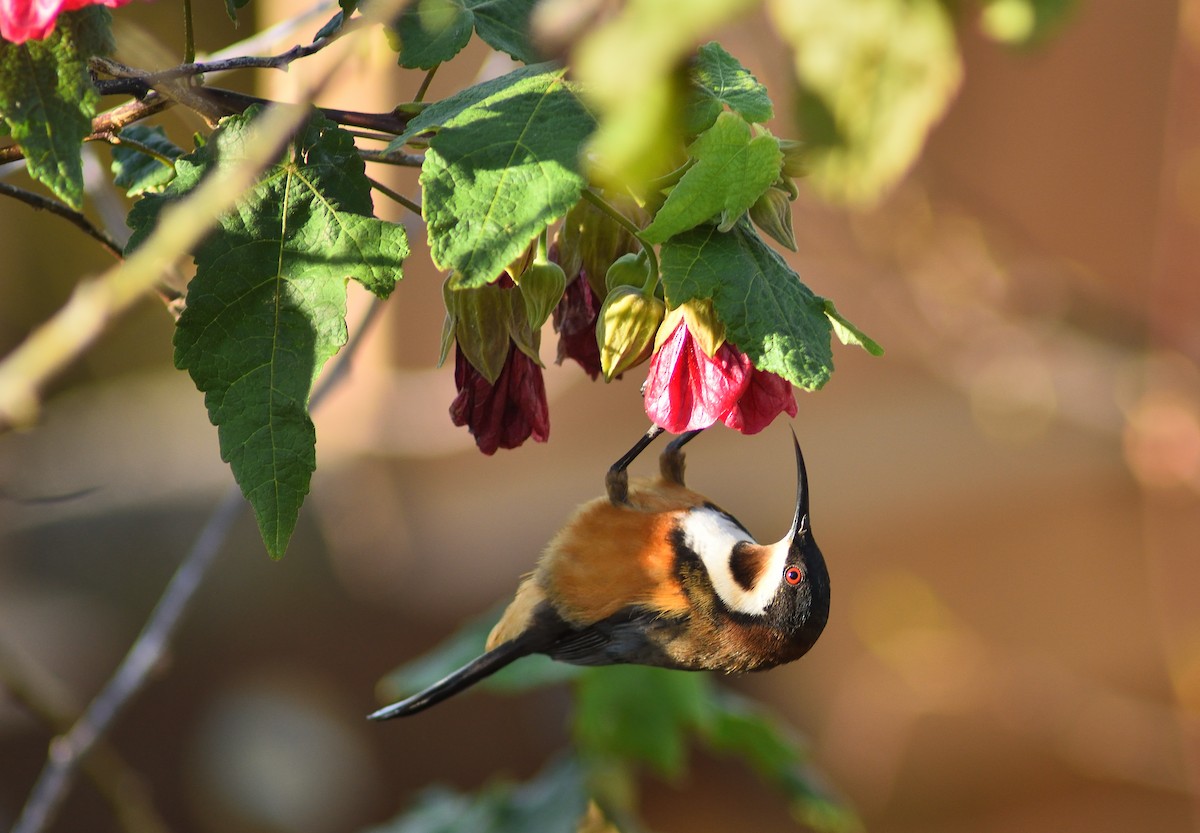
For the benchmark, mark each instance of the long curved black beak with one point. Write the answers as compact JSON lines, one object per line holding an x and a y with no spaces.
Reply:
{"x":801,"y":526}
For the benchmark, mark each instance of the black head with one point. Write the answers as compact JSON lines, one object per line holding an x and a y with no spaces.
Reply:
{"x":800,"y":608}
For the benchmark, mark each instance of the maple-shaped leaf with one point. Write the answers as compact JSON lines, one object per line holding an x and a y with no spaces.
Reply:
{"x":430,"y":32}
{"x":267,"y":307}
{"x":503,"y":163}
{"x":732,"y":171}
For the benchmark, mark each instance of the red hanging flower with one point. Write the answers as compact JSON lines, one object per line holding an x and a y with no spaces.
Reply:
{"x":507,"y":413}
{"x":575,"y":321}
{"x":22,"y":20}
{"x":687,"y":389}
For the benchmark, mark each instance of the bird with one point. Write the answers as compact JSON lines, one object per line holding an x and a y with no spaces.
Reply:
{"x":654,"y":573}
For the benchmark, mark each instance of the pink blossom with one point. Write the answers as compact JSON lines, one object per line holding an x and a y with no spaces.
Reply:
{"x":686,"y":389}
{"x":22,"y":20}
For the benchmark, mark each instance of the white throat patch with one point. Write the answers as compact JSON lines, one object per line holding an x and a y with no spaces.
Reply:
{"x":712,"y":536}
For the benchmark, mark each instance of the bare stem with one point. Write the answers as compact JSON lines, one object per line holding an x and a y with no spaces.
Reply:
{"x":425,"y":82}
{"x":396,"y":196}
{"x":75,"y":218}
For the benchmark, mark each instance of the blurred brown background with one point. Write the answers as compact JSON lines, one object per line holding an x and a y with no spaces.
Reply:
{"x":1009,"y":500}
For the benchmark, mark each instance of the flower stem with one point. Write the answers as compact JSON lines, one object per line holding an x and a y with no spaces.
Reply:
{"x":625,"y":223}
{"x":189,"y":34}
{"x":424,"y":88}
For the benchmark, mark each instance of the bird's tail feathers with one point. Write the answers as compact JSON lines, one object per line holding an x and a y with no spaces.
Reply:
{"x":465,"y":677}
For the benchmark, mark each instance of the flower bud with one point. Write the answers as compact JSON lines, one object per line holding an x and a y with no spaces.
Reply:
{"x":773,"y":214}
{"x":482,"y":327}
{"x":528,"y":339}
{"x":542,"y":286}
{"x":626,"y":328}
{"x":631,"y":269}
{"x":793,"y":157}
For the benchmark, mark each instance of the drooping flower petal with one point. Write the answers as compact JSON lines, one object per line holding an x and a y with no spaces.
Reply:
{"x":686,"y":390}
{"x":575,"y":321}
{"x":507,"y":413}
{"x":766,"y":397}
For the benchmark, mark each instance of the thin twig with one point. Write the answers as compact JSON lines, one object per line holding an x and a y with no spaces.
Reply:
{"x":108,"y":122}
{"x":407,"y":160}
{"x":68,"y":752}
{"x":396,"y":196}
{"x":75,"y":218}
{"x":121,"y":785}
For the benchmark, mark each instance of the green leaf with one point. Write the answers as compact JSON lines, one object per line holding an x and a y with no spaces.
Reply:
{"x":732,"y":171}
{"x":500,"y":170}
{"x":432,"y":117}
{"x":434,"y":31}
{"x":465,"y":645}
{"x":47,"y":98}
{"x":719,"y":80}
{"x":139,"y":172}
{"x":768,"y":313}
{"x":847,"y":333}
{"x":640,"y":714}
{"x":739,"y":727}
{"x":629,"y":67}
{"x":875,"y":76}
{"x":267,"y":306}
{"x":232,"y":6}
{"x":553,"y":802}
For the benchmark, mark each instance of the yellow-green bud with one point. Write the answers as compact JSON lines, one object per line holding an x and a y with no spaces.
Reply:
{"x":542,"y":286}
{"x":793,"y":157}
{"x":625,"y":329}
{"x":632,"y":269}
{"x":773,"y":214}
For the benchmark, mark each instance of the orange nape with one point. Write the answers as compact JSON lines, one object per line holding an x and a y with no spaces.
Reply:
{"x":587,"y":568}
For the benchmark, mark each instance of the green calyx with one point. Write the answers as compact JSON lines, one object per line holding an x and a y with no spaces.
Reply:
{"x":626,"y":327}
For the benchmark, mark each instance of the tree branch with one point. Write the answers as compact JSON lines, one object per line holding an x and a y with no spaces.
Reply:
{"x":70,"y":751}
{"x":75,"y":218}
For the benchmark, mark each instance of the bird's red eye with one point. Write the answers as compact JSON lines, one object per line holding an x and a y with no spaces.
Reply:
{"x":792,"y":575}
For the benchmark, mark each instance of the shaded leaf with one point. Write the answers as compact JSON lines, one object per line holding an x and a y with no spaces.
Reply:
{"x":267,"y":306}
{"x":139,"y":172}
{"x":875,"y":76}
{"x":47,"y":98}
{"x":553,"y":802}
{"x":732,"y":171}
{"x":736,"y":726}
{"x":232,"y":6}
{"x":434,"y":31}
{"x":499,"y":170}
{"x":769,"y":314}
{"x":639,"y":714}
